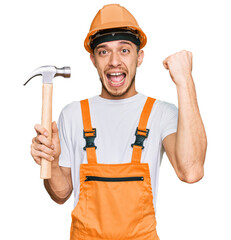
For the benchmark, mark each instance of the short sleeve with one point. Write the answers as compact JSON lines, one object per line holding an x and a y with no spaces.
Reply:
{"x":169,"y":120}
{"x":64,"y":158}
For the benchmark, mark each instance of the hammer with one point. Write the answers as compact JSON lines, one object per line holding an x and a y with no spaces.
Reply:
{"x":48,"y":73}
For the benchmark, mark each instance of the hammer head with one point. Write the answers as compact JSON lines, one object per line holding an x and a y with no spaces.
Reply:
{"x":49,"y":72}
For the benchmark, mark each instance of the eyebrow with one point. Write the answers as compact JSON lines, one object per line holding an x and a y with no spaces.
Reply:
{"x":100,"y":46}
{"x":105,"y":45}
{"x":123,"y":42}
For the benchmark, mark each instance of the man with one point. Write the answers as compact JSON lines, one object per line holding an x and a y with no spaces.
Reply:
{"x":115,"y":43}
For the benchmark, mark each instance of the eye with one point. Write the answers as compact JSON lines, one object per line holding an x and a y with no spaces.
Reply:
{"x":124,"y":50}
{"x":102,"y":52}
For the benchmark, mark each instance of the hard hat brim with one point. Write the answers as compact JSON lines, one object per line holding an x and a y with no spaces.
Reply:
{"x":142,"y":36}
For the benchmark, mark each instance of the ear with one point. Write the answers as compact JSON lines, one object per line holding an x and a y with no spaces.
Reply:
{"x":92,"y":57}
{"x":140,"y":57}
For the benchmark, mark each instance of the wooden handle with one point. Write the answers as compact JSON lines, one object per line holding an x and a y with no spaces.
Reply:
{"x":45,"y":169}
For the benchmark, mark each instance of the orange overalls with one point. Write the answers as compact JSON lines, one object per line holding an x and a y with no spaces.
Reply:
{"x":115,"y":200}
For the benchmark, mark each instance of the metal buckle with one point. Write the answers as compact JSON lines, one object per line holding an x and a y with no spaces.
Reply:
{"x":89,"y":139}
{"x":140,"y":138}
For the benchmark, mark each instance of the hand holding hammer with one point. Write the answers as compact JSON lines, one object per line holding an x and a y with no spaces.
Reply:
{"x":48,"y":73}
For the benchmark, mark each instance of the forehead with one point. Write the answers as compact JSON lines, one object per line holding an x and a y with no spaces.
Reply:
{"x":115,"y":43}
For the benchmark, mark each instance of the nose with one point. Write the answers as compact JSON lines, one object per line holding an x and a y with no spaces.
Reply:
{"x":114,"y":60}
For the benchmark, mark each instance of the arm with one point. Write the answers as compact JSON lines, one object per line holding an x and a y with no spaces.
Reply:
{"x":186,"y":148}
{"x":59,"y":187}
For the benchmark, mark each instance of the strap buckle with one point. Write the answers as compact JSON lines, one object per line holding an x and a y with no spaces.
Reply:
{"x":90,"y":139}
{"x":140,"y":138}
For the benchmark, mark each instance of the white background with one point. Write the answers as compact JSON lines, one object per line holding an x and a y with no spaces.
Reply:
{"x":48,"y":32}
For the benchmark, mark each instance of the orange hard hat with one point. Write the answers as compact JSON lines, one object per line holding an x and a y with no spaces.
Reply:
{"x":113,"y":16}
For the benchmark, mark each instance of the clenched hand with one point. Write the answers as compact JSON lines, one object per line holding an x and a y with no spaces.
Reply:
{"x":42,"y":147}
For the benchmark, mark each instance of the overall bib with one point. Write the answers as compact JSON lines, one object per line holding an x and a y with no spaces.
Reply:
{"x":115,"y":200}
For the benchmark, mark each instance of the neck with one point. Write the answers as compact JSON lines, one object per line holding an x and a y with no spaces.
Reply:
{"x":108,"y":95}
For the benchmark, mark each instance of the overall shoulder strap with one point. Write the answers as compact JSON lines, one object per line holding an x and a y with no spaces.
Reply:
{"x":89,"y":133}
{"x":141,"y":131}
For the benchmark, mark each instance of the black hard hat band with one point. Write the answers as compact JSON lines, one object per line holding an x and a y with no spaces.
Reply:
{"x":112,"y":35}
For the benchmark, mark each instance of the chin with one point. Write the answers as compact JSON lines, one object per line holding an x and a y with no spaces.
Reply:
{"x":115,"y":91}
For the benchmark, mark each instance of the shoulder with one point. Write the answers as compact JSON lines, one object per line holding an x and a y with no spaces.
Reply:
{"x":164,"y":106}
{"x":73,"y":109}
{"x":160,"y":104}
{"x":163,"y":111}
{"x":160,"y":107}
{"x":70,"y":108}
{"x":168,"y":115}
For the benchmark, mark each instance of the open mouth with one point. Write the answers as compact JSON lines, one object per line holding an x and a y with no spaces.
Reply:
{"x":116,"y":79}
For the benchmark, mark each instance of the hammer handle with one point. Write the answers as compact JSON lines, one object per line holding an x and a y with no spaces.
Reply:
{"x":47,"y":90}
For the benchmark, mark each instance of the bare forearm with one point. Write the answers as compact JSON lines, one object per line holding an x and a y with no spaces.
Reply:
{"x":191,"y":142}
{"x":58,"y":186}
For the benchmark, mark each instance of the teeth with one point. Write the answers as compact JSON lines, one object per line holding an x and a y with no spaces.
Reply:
{"x":116,"y":74}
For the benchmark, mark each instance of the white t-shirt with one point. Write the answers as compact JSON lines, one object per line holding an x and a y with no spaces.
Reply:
{"x":115,"y":122}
